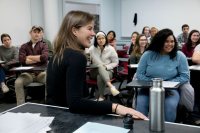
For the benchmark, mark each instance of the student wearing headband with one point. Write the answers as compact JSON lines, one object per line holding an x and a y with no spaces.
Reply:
{"x":105,"y":57}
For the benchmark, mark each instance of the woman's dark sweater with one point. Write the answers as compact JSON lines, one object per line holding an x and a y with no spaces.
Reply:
{"x":66,"y":85}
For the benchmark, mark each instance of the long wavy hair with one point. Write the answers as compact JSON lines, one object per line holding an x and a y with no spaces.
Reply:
{"x":136,"y":51}
{"x":158,"y":42}
{"x":65,"y":37}
{"x":189,"y":41}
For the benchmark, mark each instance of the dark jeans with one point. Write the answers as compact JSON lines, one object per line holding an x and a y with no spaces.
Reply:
{"x":2,"y":75}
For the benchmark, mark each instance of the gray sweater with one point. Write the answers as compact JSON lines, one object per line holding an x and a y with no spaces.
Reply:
{"x":9,"y":55}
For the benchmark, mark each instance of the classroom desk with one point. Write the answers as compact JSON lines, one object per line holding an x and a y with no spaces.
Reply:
{"x":21,"y":69}
{"x":131,"y":71}
{"x":194,"y":80}
{"x":148,"y":84}
{"x":66,"y":122}
{"x":123,"y":59}
{"x":1,"y":62}
{"x":31,"y":69}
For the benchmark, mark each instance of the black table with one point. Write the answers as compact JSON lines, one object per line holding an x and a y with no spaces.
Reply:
{"x":66,"y":122}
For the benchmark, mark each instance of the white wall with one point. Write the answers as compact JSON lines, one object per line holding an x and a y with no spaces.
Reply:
{"x":162,"y":14}
{"x":37,"y":12}
{"x":15,"y":19}
{"x":17,"y":16}
{"x":107,"y":12}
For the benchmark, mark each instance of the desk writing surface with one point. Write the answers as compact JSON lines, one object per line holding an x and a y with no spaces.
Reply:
{"x":1,"y":62}
{"x":195,"y":67}
{"x":148,"y":84}
{"x":29,"y":68}
{"x":133,"y":66}
{"x":123,"y":59}
{"x":66,"y":122}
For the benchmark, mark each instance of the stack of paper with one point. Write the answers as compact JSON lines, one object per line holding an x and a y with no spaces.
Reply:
{"x":24,"y":123}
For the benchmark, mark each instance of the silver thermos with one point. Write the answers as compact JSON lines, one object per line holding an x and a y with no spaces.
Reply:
{"x":157,"y":102}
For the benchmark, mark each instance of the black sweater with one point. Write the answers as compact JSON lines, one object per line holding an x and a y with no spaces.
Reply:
{"x":66,"y":85}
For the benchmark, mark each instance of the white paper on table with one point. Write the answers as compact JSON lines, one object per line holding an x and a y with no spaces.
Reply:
{"x":170,"y":84}
{"x":133,"y":65}
{"x":194,"y":67}
{"x":92,"y":127}
{"x":2,"y":61}
{"x":24,"y":123}
{"x":23,"y":68}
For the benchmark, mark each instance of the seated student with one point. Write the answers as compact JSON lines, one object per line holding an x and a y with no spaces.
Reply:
{"x":162,"y":60}
{"x":111,"y":37}
{"x":153,"y":32}
{"x":32,"y":53}
{"x":66,"y":73}
{"x":3,"y":86}
{"x":105,"y":57}
{"x":8,"y":52}
{"x":133,"y":40}
{"x":146,"y":32}
{"x":140,"y":46}
{"x":182,"y":38}
{"x":50,"y":48}
{"x":193,"y":40}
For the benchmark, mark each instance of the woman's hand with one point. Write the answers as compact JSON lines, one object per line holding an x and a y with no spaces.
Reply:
{"x":122,"y":110}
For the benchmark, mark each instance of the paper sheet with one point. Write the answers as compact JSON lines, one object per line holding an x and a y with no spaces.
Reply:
{"x":133,"y":65}
{"x":194,"y":67}
{"x":170,"y":84}
{"x":23,"y":68}
{"x":92,"y":127}
{"x":24,"y":123}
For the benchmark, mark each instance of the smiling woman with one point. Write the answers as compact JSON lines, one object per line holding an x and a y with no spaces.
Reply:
{"x":162,"y":60}
{"x":66,"y":73}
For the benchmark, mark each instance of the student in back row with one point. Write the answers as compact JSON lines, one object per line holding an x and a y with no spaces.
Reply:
{"x":183,"y":37}
{"x":32,"y":53}
{"x":192,"y":41}
{"x":111,"y":37}
{"x":66,"y":73}
{"x":9,"y":54}
{"x":140,"y":46}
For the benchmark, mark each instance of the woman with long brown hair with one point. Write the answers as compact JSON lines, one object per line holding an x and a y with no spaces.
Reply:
{"x":66,"y":73}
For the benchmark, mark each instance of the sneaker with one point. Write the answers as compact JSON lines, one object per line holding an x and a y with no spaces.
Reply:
{"x":114,"y":91}
{"x":101,"y":99}
{"x":4,"y":87}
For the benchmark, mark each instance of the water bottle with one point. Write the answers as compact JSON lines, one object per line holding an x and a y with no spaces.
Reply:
{"x":157,"y":102}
